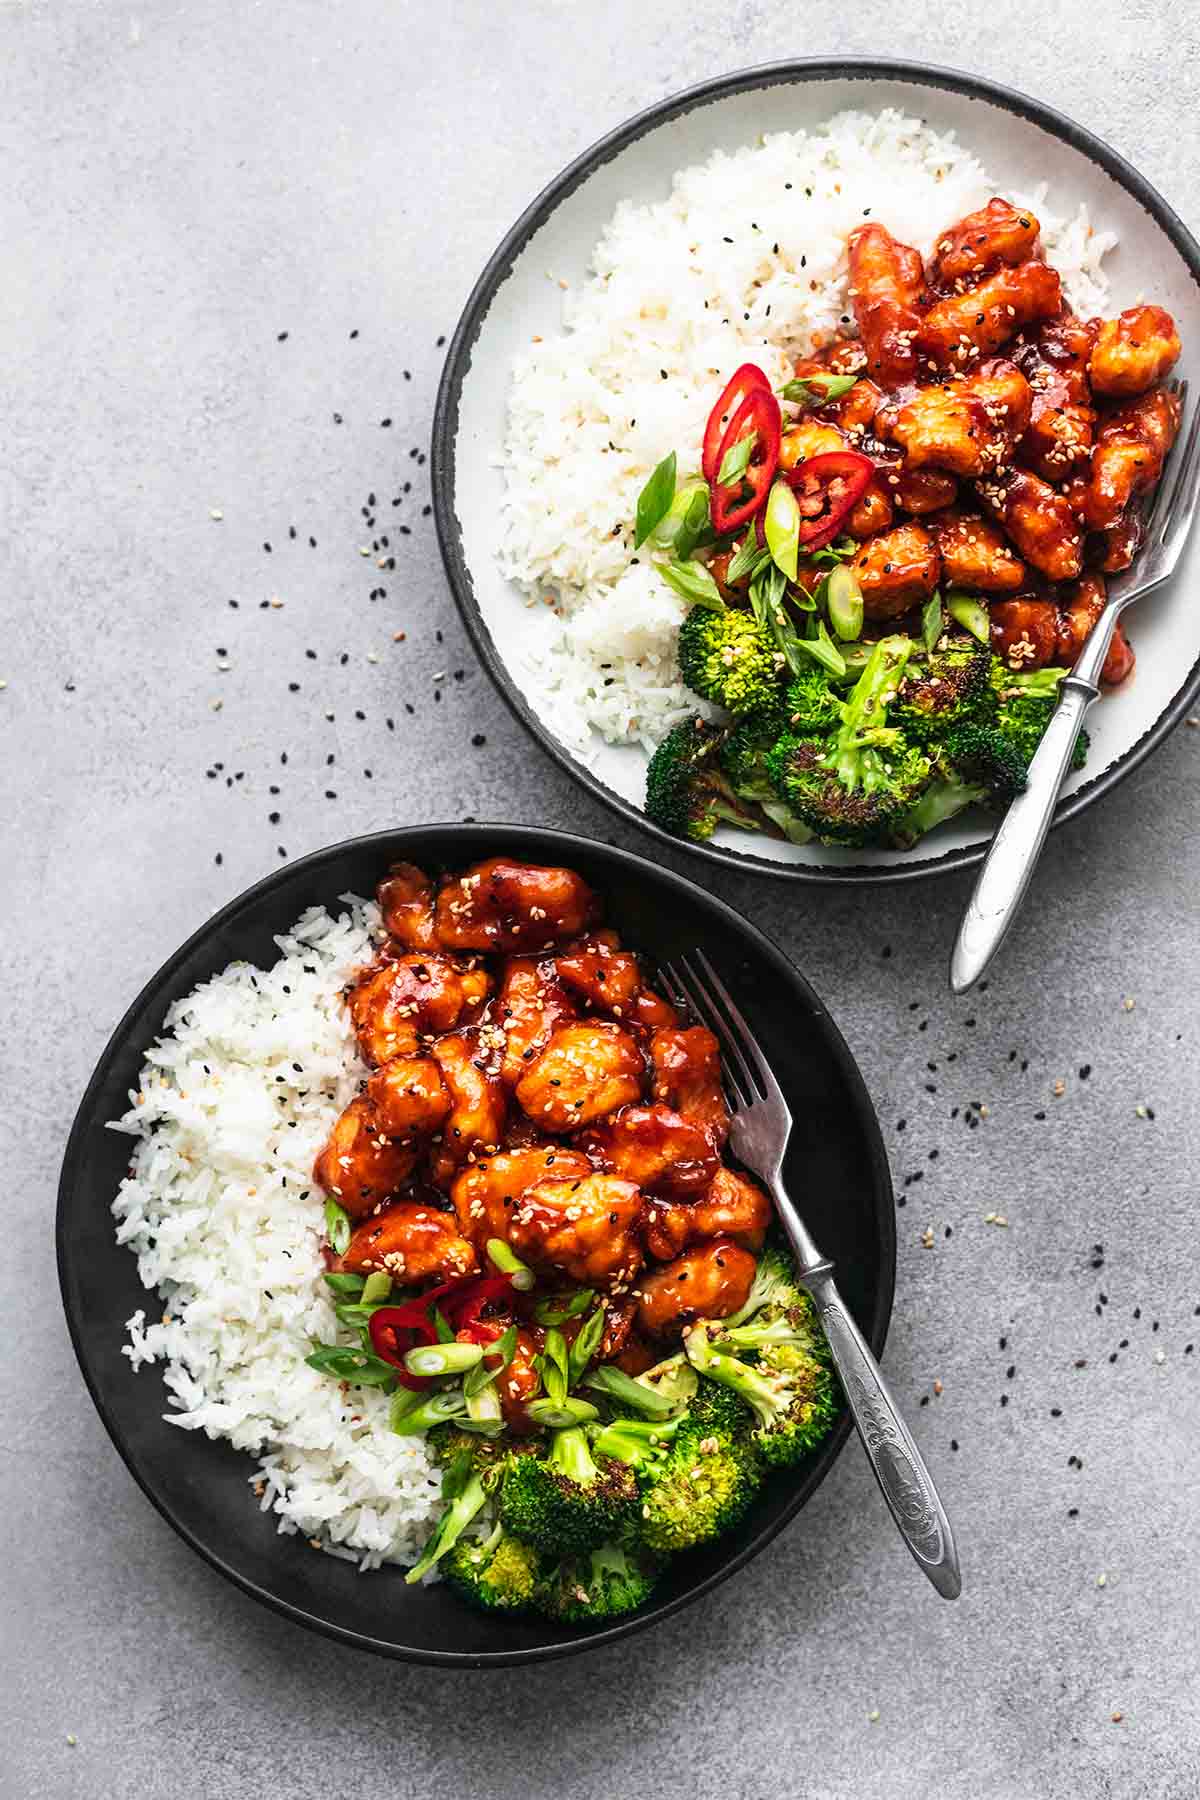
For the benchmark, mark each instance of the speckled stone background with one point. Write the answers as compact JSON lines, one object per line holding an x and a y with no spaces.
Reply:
{"x":225,"y":227}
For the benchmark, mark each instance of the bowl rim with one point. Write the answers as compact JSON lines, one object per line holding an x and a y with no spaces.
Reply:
{"x":476,"y":837}
{"x":498,"y":267}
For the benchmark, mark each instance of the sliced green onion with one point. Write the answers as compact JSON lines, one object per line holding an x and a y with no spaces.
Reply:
{"x":747,"y":559}
{"x":468,"y":1498}
{"x":442,"y":1359}
{"x":682,"y":524}
{"x":844,"y":598}
{"x":359,"y":1367}
{"x":485,"y":1416}
{"x":377,"y":1289}
{"x":503,"y":1257}
{"x":971,"y":614}
{"x":692,"y":581}
{"x":933,"y":619}
{"x":618,"y":1386}
{"x":430,"y":1410}
{"x":556,"y":1312}
{"x":349,"y":1286}
{"x":654,"y":499}
{"x":587,"y":1342}
{"x":736,"y":460}
{"x":782,"y":527}
{"x":823,"y":650}
{"x":337,"y":1226}
{"x":558,"y":1414}
{"x":442,"y":1325}
{"x":552,"y":1365}
{"x":817,"y":390}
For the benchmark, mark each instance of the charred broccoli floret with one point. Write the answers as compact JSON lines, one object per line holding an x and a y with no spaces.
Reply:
{"x":788,"y":1387}
{"x":743,"y":759}
{"x":498,"y":1573}
{"x":986,"y":756}
{"x":951,"y":688}
{"x":567,"y":1501}
{"x":728,"y":658}
{"x":697,"y":1475}
{"x":812,"y":706}
{"x":686,"y":792}
{"x":604,"y":1584}
{"x":852,"y":786}
{"x":1025,"y":705}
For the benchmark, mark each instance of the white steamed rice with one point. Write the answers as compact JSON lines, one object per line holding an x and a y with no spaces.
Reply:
{"x":745,"y":261}
{"x":236,"y":1099}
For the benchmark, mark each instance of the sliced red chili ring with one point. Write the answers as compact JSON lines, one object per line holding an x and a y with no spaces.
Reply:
{"x":741,"y":383}
{"x":395,"y":1329}
{"x":465,"y":1315}
{"x":759,"y":412}
{"x":828,"y":488}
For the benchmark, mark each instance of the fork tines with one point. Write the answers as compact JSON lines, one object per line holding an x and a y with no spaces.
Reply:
{"x":747,"y":1073}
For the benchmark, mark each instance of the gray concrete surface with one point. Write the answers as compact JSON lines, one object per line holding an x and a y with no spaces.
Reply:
{"x":182,"y":185}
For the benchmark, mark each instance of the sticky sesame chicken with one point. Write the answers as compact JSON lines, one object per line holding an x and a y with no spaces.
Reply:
{"x":585,"y":1071}
{"x":965,"y":427}
{"x":361,"y":1165}
{"x":896,"y":570}
{"x":587,"y":1228}
{"x":656,"y":1147}
{"x":488,"y":1189}
{"x":1039,"y":521}
{"x":409,"y":1096}
{"x":1081,"y":606}
{"x":708,"y":1282}
{"x":1025,"y":632}
{"x":418,"y":993}
{"x":1131,"y":447}
{"x":732,"y":1206}
{"x":963,"y":327}
{"x":687,"y":1078}
{"x":412,"y":1242}
{"x":406,"y":902}
{"x":976,"y":554}
{"x":1133,"y":352}
{"x":532,"y":1001}
{"x":505,"y":905}
{"x":603,"y":976}
{"x":1062,"y":419}
{"x":887,"y":289}
{"x":471,"y":1070}
{"x":998,"y":233}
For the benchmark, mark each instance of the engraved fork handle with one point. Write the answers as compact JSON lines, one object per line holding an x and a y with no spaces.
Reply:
{"x":1010,"y":861}
{"x":898,"y":1465}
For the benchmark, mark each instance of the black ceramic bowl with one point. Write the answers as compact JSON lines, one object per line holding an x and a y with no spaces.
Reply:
{"x":837,"y":1169}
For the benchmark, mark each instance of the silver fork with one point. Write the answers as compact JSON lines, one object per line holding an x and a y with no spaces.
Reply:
{"x":760,"y":1126}
{"x":1010,"y":861}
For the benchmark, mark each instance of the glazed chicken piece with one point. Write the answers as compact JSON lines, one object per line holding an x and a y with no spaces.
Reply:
{"x":964,"y":326}
{"x":997,"y":233}
{"x":409,"y":1096}
{"x":411,"y":1241}
{"x":652,"y":1013}
{"x":505,"y":905}
{"x":602,"y":975}
{"x":1025,"y":632}
{"x":896,"y":571}
{"x":687,"y":1078}
{"x":1133,"y":352}
{"x":1131,"y":447}
{"x":976,"y":554}
{"x":405,"y":898}
{"x":1114,"y":548}
{"x":1081,"y":606}
{"x":487,"y":1190}
{"x":845,"y":357}
{"x":587,"y":1228}
{"x":521,"y":1381}
{"x":856,"y":409}
{"x":1062,"y":420}
{"x":707,"y":1282}
{"x":921,"y":490}
{"x":886,"y":290}
{"x":585,"y":1071}
{"x":655,"y":1147}
{"x":965,"y":427}
{"x":809,"y":437}
{"x":734,"y":1207}
{"x":392,"y":1002}
{"x":531,"y":1003}
{"x":1039,"y":520}
{"x":475,"y":1122}
{"x":873,"y":511}
{"x":360,"y":1165}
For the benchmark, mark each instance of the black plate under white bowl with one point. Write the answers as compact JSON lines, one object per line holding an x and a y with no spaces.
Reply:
{"x":1023,"y":144}
{"x":837,"y":1170}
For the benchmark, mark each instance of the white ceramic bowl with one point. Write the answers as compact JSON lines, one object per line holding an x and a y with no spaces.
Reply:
{"x":1022,"y":143}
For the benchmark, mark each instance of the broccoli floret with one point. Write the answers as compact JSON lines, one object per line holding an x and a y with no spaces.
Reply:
{"x":789,"y":1389}
{"x":812,"y":707}
{"x":952,"y":688}
{"x":448,"y":1441}
{"x":774,"y":1284}
{"x":1026,"y":701}
{"x":567,"y":1501}
{"x":728,"y":658}
{"x":945,"y":797}
{"x":590,"y":1589}
{"x":498,"y":1573}
{"x":697,"y":1474}
{"x":686,"y":792}
{"x":465,"y":1495}
{"x":717,"y":1411}
{"x":985,"y":756}
{"x":743,"y":759}
{"x":850,"y":787}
